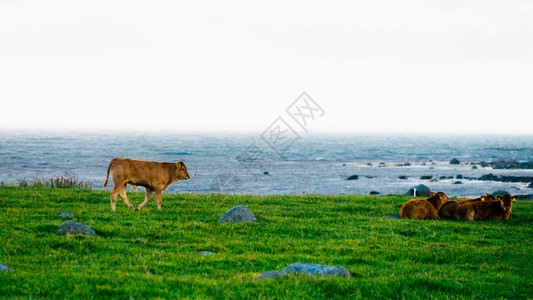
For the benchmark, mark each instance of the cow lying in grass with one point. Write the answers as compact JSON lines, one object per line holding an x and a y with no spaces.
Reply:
{"x":448,"y":208}
{"x":497,"y":210}
{"x":422,"y":209}
{"x":153,"y":176}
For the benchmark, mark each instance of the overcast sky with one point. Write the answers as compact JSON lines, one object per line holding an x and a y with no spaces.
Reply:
{"x":373,"y":66}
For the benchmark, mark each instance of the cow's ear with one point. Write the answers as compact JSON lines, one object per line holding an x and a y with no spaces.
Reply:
{"x":515,"y":197}
{"x":482,"y":198}
{"x":499,"y":197}
{"x":179,"y":164}
{"x":432,"y":194}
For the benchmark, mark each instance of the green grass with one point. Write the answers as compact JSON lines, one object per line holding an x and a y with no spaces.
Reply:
{"x":152,"y":254}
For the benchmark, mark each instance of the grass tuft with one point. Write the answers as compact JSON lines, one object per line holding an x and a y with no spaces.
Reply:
{"x":56,"y":182}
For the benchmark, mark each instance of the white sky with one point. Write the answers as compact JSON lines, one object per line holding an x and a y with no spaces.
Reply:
{"x":373,"y":66}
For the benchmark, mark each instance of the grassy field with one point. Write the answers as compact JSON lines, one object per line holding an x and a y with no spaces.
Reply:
{"x":152,"y":254}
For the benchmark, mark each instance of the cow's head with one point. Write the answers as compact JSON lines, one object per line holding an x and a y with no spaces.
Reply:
{"x":181,"y":171}
{"x":489,"y":197}
{"x":439,"y":198}
{"x":506,"y":202}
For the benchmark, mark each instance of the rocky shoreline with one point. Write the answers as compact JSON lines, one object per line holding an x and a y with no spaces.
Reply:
{"x":458,"y":173}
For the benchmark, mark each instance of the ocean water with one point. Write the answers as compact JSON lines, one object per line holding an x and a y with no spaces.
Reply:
{"x":248,"y":164}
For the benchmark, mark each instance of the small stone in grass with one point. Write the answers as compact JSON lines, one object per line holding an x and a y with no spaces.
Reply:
{"x":272,"y":274}
{"x":238,"y":214}
{"x":316,"y":269}
{"x":65,"y":214}
{"x":5,"y":268}
{"x":70,"y":227}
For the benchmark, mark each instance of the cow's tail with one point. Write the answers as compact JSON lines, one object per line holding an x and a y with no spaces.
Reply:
{"x":108,"y":168}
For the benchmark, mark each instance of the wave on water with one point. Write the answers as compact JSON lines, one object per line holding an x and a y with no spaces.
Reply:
{"x":176,"y":153}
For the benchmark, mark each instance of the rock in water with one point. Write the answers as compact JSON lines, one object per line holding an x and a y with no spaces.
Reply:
{"x":454,"y":161}
{"x":238,"y":214}
{"x":5,"y":268}
{"x":353,"y":177}
{"x":421,"y":191}
{"x":525,"y":197}
{"x":65,"y":214}
{"x":320,"y":270}
{"x":272,"y":274}
{"x":70,"y":227}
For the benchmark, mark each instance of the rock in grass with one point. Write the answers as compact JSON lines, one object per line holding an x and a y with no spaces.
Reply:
{"x":421,"y":191}
{"x":319,"y":270}
{"x":206,"y":252}
{"x":65,"y":214}
{"x":70,"y":227}
{"x":272,"y":274}
{"x":5,"y":268}
{"x":238,"y":214}
{"x":500,"y":193}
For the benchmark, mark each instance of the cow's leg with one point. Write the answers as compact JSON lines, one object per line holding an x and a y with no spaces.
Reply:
{"x":122,"y":194}
{"x":114,"y":195}
{"x":469,"y":216}
{"x":158,"y":199}
{"x":147,"y":199}
{"x":432,"y":213}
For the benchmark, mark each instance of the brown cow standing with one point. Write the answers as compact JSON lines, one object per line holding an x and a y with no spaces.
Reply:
{"x":153,"y":176}
{"x":448,"y":208}
{"x":499,"y":210}
{"x":424,"y":208}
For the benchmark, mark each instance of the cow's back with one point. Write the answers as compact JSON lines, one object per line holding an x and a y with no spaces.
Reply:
{"x":141,"y":172}
{"x":480,"y":210}
{"x":416,"y":209}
